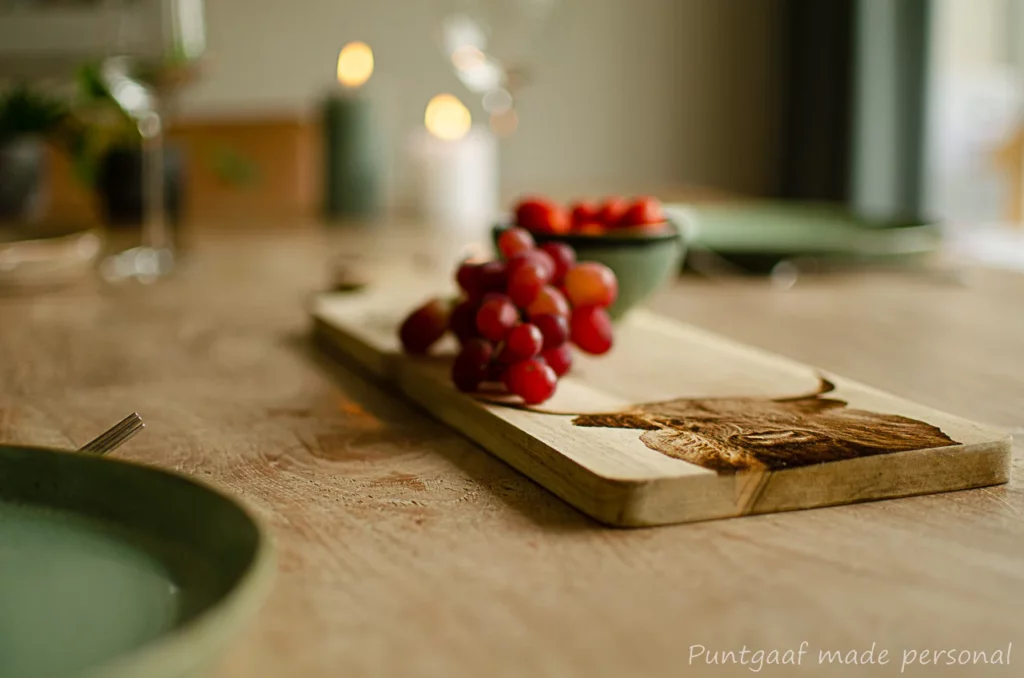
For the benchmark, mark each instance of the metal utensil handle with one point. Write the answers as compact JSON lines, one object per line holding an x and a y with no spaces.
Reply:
{"x":115,"y":436}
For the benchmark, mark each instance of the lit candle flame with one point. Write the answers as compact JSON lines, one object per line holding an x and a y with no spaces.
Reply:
{"x":355,"y":64}
{"x":447,"y":118}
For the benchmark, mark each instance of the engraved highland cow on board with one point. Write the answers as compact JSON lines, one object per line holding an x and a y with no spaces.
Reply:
{"x":743,"y":433}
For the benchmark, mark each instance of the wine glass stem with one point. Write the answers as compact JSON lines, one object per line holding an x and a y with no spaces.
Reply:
{"x":154,"y":226}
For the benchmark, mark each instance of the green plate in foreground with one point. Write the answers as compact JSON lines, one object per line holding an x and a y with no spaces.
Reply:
{"x":115,"y":570}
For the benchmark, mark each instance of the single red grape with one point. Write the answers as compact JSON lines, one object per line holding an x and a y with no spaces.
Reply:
{"x":558,"y":359}
{"x":532,"y":380}
{"x":467,"y":275}
{"x":554,"y":328}
{"x":532,"y":256}
{"x":591,"y":284}
{"x":490,"y":277}
{"x":523,"y":341}
{"x":549,"y":301}
{"x":563,"y":256}
{"x":463,"y":321}
{"x":508,"y":378}
{"x":545,"y":260}
{"x":424,"y":326}
{"x":526,"y":282}
{"x":470,"y":367}
{"x":514,"y":241}
{"x":502,"y":355}
{"x":493,"y":295}
{"x":496,"y":371}
{"x":591,"y":329}
{"x":496,"y":317}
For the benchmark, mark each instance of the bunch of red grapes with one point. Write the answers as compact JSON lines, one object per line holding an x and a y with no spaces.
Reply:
{"x":518,"y":316}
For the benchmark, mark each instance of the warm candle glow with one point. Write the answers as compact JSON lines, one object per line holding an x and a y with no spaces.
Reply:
{"x":447,"y":118}
{"x":355,"y":64}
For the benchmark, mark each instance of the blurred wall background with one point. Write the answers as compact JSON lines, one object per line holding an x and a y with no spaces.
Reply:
{"x":749,"y":96}
{"x":629,"y":95}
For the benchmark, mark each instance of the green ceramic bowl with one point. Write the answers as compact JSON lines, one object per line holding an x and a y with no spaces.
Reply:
{"x":114,"y":570}
{"x":641,"y":262}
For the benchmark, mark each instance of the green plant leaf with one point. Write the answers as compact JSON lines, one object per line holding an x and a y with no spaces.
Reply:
{"x":27,"y":112}
{"x":233,"y":168}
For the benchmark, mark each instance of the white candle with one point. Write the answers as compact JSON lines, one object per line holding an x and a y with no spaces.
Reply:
{"x":455,"y":167}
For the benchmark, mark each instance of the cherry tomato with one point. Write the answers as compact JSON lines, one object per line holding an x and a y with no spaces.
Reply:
{"x":583,"y":212}
{"x":612,"y":211}
{"x":645,"y":211}
{"x":540,"y":214}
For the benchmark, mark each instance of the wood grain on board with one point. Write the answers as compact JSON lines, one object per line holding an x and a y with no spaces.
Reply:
{"x":693,"y":426}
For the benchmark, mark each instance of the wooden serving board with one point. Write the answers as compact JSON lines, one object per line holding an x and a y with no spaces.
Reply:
{"x":727,"y":430}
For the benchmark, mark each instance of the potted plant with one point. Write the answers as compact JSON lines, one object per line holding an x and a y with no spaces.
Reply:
{"x":103,"y":144}
{"x":27,"y":119}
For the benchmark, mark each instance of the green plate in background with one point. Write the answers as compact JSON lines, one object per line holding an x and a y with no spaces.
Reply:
{"x":114,"y":570}
{"x":755,"y":236}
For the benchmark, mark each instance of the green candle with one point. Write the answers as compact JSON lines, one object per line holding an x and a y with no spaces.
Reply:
{"x":350,"y":153}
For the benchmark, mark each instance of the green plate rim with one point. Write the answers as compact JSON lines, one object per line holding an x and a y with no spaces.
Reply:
{"x":184,"y":649}
{"x":857,"y":236}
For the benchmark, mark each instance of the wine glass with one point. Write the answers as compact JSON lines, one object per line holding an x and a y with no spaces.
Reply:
{"x":492,"y":46}
{"x":141,"y":83}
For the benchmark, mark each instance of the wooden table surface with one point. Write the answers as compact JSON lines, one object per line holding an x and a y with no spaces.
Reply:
{"x":405,"y":550}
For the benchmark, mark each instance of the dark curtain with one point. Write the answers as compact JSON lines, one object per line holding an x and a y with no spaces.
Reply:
{"x":853,"y":97}
{"x":817,"y":97}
